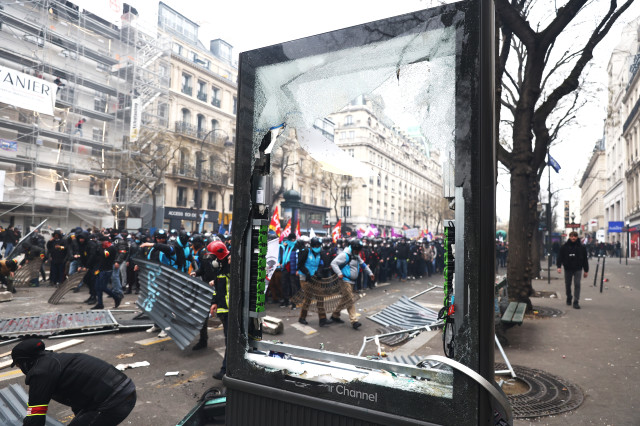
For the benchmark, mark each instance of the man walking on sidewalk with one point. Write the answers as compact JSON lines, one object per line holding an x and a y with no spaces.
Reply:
{"x":573,"y":256}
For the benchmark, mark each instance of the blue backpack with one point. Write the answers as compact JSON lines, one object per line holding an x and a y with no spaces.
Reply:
{"x":345,"y":268}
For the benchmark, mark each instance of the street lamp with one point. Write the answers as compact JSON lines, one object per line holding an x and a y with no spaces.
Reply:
{"x":201,"y":160}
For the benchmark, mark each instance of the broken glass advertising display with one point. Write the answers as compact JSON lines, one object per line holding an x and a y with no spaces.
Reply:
{"x":408,"y":84}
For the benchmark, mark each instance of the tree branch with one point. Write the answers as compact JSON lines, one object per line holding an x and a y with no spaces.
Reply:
{"x":511,"y":17}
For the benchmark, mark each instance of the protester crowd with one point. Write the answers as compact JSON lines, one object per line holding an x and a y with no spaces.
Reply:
{"x":358,"y":264}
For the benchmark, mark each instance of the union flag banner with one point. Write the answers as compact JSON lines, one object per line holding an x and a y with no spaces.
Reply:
{"x":336,"y":232}
{"x":286,"y":231}
{"x":298,"y":234}
{"x":275,"y":222}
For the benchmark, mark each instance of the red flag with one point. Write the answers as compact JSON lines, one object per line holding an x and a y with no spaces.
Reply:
{"x":286,"y":231}
{"x":336,"y":232}
{"x":298,"y":234}
{"x":275,"y":222}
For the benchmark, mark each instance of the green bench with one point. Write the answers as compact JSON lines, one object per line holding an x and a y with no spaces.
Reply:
{"x":514,"y":313}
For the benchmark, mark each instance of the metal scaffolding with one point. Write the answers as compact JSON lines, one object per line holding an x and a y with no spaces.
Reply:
{"x":54,"y":168}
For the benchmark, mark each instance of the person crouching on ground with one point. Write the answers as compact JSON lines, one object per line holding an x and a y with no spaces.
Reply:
{"x":97,"y":393}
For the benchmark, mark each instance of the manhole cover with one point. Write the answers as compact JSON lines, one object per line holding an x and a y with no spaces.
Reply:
{"x":546,"y":294}
{"x":392,"y":340}
{"x":545,"y":312}
{"x":543,"y":394}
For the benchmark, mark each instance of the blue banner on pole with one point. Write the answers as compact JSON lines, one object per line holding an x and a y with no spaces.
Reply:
{"x":201,"y":227}
{"x":616,"y":226}
{"x":553,"y":163}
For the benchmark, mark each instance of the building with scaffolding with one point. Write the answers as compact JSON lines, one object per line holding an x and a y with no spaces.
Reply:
{"x":65,"y":166}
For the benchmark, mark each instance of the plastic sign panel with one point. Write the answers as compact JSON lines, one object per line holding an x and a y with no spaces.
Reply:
{"x":27,"y":91}
{"x":616,"y":226}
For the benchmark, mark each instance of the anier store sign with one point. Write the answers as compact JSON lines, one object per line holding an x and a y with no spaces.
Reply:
{"x":26,"y":91}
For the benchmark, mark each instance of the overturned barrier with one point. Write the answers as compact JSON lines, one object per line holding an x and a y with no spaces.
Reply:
{"x":176,"y":302}
{"x":68,"y":285}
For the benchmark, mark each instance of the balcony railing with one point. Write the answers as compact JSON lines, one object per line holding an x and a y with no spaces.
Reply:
{"x":631,"y":115}
{"x":215,"y":102}
{"x":181,"y":202}
{"x":202,"y":96}
{"x":187,"y":90}
{"x":191,"y":172}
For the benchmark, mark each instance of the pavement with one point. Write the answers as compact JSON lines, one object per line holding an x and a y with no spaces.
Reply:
{"x":595,"y":348}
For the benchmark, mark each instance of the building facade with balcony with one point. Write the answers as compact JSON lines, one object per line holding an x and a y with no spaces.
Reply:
{"x":52,"y":167}
{"x":618,"y":79}
{"x":593,"y":185}
{"x":408,"y":188}
{"x":202,"y":114}
{"x":630,"y":115}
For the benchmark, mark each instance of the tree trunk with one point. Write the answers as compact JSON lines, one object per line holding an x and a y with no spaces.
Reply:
{"x":535,"y":254}
{"x":522,"y":225}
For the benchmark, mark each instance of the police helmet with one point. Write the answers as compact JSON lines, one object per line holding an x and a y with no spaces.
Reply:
{"x":183,"y":236}
{"x":315,"y":242}
{"x":160,"y":233}
{"x":355,"y":244}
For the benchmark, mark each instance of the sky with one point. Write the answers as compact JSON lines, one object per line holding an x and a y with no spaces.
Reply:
{"x":249,"y":24}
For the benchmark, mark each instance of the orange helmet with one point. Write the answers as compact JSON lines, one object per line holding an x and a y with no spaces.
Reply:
{"x":218,"y":249}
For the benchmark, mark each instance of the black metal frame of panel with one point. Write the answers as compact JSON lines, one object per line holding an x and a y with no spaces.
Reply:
{"x":256,"y":396}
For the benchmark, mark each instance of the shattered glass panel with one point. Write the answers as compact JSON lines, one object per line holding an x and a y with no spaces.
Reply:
{"x":411,"y":77}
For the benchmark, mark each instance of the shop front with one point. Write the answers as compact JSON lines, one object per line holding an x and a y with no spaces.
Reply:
{"x":189,"y":219}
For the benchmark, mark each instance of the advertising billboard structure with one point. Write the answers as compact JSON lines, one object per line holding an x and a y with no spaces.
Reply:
{"x":431,"y":70}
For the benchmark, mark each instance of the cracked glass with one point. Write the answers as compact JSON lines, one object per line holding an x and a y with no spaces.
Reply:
{"x":402,"y":74}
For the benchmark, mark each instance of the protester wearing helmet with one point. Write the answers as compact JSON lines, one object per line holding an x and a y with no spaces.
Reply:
{"x":347,"y":265}
{"x":184,"y":251}
{"x":160,"y":251}
{"x":309,"y":263}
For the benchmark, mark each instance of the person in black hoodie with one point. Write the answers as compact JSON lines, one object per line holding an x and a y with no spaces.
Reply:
{"x":106,"y":258}
{"x":57,"y":251}
{"x":96,"y":391}
{"x":573,"y":256}
{"x":87,"y":251}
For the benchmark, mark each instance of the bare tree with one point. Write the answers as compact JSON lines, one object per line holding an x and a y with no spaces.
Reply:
{"x":531,"y":97}
{"x":144,"y":164}
{"x":283,"y":160}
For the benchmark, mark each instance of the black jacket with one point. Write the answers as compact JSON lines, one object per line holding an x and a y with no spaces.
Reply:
{"x":122,"y":249}
{"x":402,"y":251}
{"x":80,"y":381}
{"x":88,"y":253}
{"x":106,"y":257}
{"x":57,"y":250}
{"x":573,"y":256}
